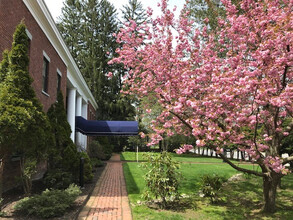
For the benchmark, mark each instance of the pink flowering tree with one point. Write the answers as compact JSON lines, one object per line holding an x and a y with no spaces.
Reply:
{"x":235,"y":87}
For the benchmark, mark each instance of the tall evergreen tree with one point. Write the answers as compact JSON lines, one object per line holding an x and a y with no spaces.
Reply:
{"x":23,"y":124}
{"x":4,"y":65}
{"x":63,"y":154}
{"x":134,"y":11}
{"x":201,"y":9}
{"x":98,"y":23}
{"x":71,"y":26}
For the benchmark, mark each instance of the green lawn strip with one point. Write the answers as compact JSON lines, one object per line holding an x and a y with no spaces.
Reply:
{"x":241,"y":200}
{"x":131,"y":156}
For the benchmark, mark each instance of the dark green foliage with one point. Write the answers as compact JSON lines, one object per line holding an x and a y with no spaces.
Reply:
{"x":71,"y":27}
{"x":22,"y":119}
{"x":51,"y":203}
{"x":96,"y":162}
{"x":162,"y":179}
{"x":134,"y":11}
{"x":57,"y":179}
{"x":211,"y":9}
{"x":23,"y":124}
{"x":211,"y":185}
{"x":4,"y":65}
{"x":100,"y":148}
{"x":95,"y":150}
{"x":63,"y":153}
{"x":107,"y":146}
{"x":87,"y":167}
{"x":201,"y":9}
{"x":88,"y":27}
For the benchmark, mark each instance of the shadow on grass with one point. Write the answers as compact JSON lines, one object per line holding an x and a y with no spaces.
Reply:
{"x":244,"y":200}
{"x":122,"y":158}
{"x":131,"y":184}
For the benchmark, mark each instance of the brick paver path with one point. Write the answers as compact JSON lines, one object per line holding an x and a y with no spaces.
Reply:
{"x":109,"y":200}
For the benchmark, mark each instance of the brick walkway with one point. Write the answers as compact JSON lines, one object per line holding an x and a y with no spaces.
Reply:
{"x":109,"y":200}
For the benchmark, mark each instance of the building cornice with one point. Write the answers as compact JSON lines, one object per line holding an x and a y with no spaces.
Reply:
{"x":43,"y":17}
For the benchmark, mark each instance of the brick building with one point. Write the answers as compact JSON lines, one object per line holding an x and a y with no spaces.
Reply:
{"x":51,"y":65}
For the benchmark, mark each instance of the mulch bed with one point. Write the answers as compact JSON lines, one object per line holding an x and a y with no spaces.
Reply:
{"x":13,"y":196}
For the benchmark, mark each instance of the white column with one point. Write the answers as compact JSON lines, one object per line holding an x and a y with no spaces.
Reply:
{"x":84,"y":114}
{"x":78,"y":113}
{"x":71,"y":98}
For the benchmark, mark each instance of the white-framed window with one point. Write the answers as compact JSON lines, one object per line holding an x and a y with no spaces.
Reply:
{"x":45,"y":72}
{"x":59,"y":77}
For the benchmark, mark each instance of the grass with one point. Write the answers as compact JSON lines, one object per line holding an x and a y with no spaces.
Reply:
{"x":241,"y":200}
{"x":131,"y":156}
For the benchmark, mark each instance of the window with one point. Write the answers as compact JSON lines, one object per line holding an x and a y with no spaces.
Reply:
{"x":30,"y":37}
{"x":45,"y":74}
{"x":59,"y":75}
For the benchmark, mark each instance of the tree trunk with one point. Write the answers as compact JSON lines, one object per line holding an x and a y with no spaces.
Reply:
{"x":270,"y":191}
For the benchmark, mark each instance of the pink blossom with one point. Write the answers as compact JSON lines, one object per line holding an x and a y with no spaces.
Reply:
{"x":110,"y":75}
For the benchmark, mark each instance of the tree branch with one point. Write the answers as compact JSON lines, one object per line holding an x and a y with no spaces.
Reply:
{"x":240,"y":168}
{"x":182,"y":120}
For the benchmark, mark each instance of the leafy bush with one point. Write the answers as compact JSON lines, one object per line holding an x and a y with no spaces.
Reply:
{"x":211,"y":185}
{"x":51,"y":203}
{"x":95,"y":150}
{"x":1,"y":213}
{"x":100,"y":149}
{"x":87,"y":167}
{"x":57,"y":179}
{"x":96,"y":162}
{"x":162,"y":179}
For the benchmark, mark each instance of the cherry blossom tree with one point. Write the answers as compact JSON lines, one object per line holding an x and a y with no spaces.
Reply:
{"x":235,"y":87}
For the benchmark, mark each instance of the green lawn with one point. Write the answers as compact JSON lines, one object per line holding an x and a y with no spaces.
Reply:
{"x":181,"y":158}
{"x":240,"y":201}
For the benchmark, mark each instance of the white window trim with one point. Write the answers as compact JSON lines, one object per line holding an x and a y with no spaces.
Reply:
{"x":30,"y":36}
{"x":59,"y":72}
{"x":46,"y":94}
{"x":46,"y":56}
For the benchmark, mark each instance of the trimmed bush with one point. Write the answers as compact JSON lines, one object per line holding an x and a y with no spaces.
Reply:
{"x":101,"y":149}
{"x":87,"y":167}
{"x":211,"y":185}
{"x":57,"y":179}
{"x":51,"y":203}
{"x":96,"y":162}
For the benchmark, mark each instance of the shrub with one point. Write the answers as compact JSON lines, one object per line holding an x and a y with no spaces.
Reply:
{"x":57,"y":179}
{"x":51,"y":203}
{"x":96,"y":162}
{"x":100,"y":149}
{"x":1,"y":213}
{"x":211,"y":185}
{"x":95,"y":150}
{"x":162,"y":179}
{"x":87,"y":167}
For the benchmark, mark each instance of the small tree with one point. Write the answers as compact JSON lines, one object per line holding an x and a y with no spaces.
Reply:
{"x":162,"y":179}
{"x":63,"y":153}
{"x":23,"y":124}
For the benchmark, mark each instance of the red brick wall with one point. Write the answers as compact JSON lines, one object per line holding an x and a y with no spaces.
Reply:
{"x":91,"y":112}
{"x":91,"y":115}
{"x":11,"y":14}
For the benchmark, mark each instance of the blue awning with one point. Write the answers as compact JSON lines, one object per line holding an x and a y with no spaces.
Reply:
{"x":105,"y":128}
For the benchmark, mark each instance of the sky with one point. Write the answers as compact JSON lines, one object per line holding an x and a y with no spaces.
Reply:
{"x":56,"y":5}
